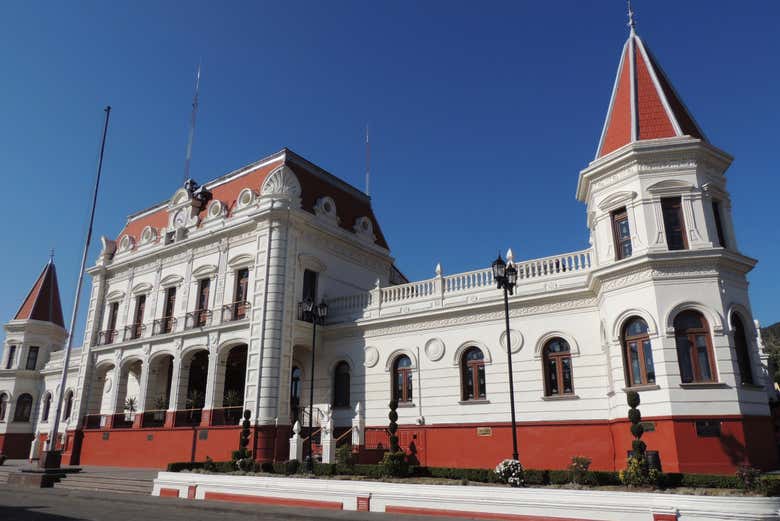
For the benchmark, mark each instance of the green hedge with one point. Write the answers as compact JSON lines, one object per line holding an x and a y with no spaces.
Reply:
{"x":674,"y":480}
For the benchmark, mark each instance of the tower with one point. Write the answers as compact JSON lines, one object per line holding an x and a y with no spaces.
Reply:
{"x":36,"y":331}
{"x":676,"y":320}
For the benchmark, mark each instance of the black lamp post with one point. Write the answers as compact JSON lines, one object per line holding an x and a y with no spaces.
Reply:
{"x":506,"y":279}
{"x":315,"y":313}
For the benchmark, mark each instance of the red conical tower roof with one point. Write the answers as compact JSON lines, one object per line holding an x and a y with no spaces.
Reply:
{"x":644,"y":105}
{"x":43,"y":301}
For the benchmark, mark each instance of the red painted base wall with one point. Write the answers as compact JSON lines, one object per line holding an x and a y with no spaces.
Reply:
{"x":551,"y":445}
{"x":542,"y":445}
{"x":15,"y":445}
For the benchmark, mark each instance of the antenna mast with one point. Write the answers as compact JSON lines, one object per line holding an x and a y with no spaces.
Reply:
{"x":188,"y":156}
{"x":368,"y":164}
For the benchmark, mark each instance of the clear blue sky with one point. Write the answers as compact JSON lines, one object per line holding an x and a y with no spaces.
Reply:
{"x":482,"y":115}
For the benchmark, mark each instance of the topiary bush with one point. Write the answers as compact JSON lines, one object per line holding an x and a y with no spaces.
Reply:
{"x":637,"y":472}
{"x":394,"y":462}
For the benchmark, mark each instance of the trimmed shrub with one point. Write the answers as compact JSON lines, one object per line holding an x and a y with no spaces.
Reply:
{"x":637,"y":472}
{"x":769,"y":485}
{"x":324,"y":469}
{"x":394,"y":462}
{"x":536,"y":477}
{"x":579,"y":469}
{"x":748,"y":477}
{"x":208,"y":465}
{"x":286,"y":467}
{"x":369,"y":471}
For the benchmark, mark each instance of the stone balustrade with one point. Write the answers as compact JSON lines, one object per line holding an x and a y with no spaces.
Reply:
{"x":535,"y":276}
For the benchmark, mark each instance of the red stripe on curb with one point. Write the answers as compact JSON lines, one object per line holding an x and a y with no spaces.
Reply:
{"x":169,"y":492}
{"x":473,"y":515}
{"x":242,"y":498}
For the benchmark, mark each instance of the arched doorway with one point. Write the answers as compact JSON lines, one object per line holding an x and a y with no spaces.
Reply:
{"x":195,"y":365}
{"x":229,"y":399}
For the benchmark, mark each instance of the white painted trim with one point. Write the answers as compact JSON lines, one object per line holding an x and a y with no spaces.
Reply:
{"x":574,"y":349}
{"x":479,"y":499}
{"x":395,"y":354}
{"x":471,"y":343}
{"x":608,"y":117}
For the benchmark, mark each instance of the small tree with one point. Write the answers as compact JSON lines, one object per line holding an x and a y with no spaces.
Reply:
{"x":394,"y":462}
{"x":242,"y":457}
{"x":637,"y":472}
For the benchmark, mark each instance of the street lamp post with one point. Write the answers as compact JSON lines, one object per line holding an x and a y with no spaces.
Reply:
{"x":316,"y":313}
{"x":506,"y":279}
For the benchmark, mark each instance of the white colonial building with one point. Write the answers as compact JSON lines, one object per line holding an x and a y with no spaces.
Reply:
{"x":194,"y":316}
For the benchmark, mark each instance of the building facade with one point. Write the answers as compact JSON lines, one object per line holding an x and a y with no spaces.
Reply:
{"x":195,"y":315}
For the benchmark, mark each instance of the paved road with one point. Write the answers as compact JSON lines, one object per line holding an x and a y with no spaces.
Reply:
{"x":24,"y":504}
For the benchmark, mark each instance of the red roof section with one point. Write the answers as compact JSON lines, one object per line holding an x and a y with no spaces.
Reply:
{"x":43,"y":301}
{"x":644,"y":105}
{"x":315,"y":183}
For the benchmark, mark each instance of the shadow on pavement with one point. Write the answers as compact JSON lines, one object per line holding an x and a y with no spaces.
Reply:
{"x":8,"y":513}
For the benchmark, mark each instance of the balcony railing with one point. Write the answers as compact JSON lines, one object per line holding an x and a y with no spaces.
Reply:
{"x":94,"y":421}
{"x":235,"y":311}
{"x":200,"y":318}
{"x":188,"y":417}
{"x":106,"y":337}
{"x":226,"y":416}
{"x":134,"y":331}
{"x":162,"y":326}
{"x":123,"y":420}
{"x":153,"y":418}
{"x":535,"y":276}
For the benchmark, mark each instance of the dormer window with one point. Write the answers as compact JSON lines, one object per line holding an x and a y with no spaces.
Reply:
{"x":716,"y":206}
{"x":32,"y":358}
{"x":674,"y":224}
{"x":309,"y":286}
{"x":9,"y":362}
{"x":621,"y":233}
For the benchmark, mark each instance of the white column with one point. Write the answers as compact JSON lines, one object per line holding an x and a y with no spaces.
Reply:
{"x":144,"y":385}
{"x":211,"y":378}
{"x":173,"y":399}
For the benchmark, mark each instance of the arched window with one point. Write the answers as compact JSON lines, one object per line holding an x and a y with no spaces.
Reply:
{"x":743,"y":353}
{"x":3,"y":406}
{"x":557,"y":368}
{"x":472,"y":370}
{"x":341,"y":385}
{"x":694,"y":347}
{"x":402,"y":379}
{"x":46,"y":407}
{"x":637,"y":353}
{"x":23,"y":408}
{"x":68,"y":405}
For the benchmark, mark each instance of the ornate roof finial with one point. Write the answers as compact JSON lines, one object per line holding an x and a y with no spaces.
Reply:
{"x":51,"y":256}
{"x":631,"y":22}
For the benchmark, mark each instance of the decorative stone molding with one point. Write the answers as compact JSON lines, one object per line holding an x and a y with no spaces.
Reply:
{"x":617,"y":326}
{"x":241,"y":261}
{"x":204,"y":271}
{"x":126,"y":243}
{"x":574,"y":349}
{"x":371,"y":356}
{"x":141,"y":288}
{"x":171,"y":280}
{"x":471,"y":343}
{"x":216,"y":210}
{"x":714,"y":319}
{"x":364,"y":229}
{"x":670,"y":187}
{"x":148,"y":235}
{"x":616,"y":200}
{"x":395,"y":354}
{"x":325,"y":208}
{"x":517,"y":340}
{"x":245,"y":199}
{"x":434,"y":349}
{"x":282,"y":183}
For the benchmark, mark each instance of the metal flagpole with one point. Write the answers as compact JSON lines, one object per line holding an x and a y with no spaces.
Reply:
{"x":188,"y":156}
{"x":52,"y":456}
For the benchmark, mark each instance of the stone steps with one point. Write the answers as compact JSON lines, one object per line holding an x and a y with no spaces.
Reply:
{"x":100,"y":482}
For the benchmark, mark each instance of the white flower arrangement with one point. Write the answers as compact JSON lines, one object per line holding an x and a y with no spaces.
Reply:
{"x":510,"y":471}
